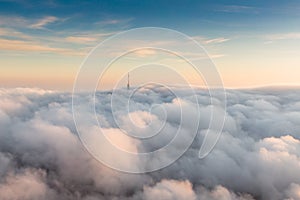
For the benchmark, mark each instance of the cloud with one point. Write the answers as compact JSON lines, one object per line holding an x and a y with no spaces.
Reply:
{"x":293,"y":192}
{"x":114,"y":22}
{"x":80,"y":39}
{"x":21,"y":22}
{"x":221,"y":193}
{"x":43,"y":22}
{"x":145,"y":52}
{"x":205,"y":40}
{"x":170,"y":189}
{"x":27,"y":185}
{"x":14,"y":38}
{"x":7,"y":32}
{"x":237,"y":9}
{"x":32,"y":46}
{"x":284,"y":36}
{"x":216,"y":55}
{"x":88,"y":38}
{"x":257,"y":156}
{"x":217,"y":40}
{"x":14,"y":21}
{"x":18,"y":45}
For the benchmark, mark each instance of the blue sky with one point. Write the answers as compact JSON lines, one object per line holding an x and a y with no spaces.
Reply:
{"x":217,"y":17}
{"x":256,"y":37}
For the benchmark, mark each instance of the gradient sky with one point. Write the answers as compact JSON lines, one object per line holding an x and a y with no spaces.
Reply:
{"x":252,"y":43}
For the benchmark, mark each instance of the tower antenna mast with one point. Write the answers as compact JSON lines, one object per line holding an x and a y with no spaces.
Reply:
{"x":128,"y":86}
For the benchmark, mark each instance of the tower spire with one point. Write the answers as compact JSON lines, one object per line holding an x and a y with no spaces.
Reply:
{"x":128,"y":86}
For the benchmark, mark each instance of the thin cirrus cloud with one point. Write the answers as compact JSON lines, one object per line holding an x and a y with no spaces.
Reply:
{"x":14,"y":37}
{"x":10,"y":32}
{"x":24,"y":23}
{"x":284,"y":36}
{"x":43,"y":22}
{"x":217,"y":40}
{"x":237,"y":9}
{"x":81,"y":39}
{"x":32,"y":46}
{"x":13,"y":21}
{"x":145,"y":52}
{"x":88,"y":38}
{"x":205,"y":40}
{"x":114,"y":21}
{"x":270,"y":39}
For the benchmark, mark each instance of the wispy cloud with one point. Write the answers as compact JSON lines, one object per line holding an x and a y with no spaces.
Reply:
{"x":145,"y":52}
{"x":24,"y":23}
{"x":236,"y":9}
{"x":81,"y":39}
{"x":114,"y":21}
{"x":216,"y":40}
{"x":194,"y":56}
{"x":8,"y":32}
{"x":43,"y":22}
{"x":268,"y":42}
{"x":270,"y":39}
{"x":217,"y":55}
{"x":14,"y":37}
{"x":30,"y":46}
{"x":284,"y":36}
{"x":87,"y":38}
{"x":204,"y":40}
{"x":13,"y":21}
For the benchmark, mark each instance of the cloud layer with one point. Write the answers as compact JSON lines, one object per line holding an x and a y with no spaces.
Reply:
{"x":257,"y":156}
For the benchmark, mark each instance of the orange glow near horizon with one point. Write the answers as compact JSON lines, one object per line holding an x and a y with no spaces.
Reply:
{"x":238,"y":69}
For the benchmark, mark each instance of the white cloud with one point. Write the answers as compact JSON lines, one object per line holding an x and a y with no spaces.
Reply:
{"x":284,"y":36}
{"x":217,"y":40}
{"x":28,"y":185}
{"x":170,"y":190}
{"x":221,"y":193}
{"x":293,"y":192}
{"x":257,"y":157}
{"x":204,"y":40}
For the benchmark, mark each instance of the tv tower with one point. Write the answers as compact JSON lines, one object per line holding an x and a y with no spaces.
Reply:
{"x":128,"y":86}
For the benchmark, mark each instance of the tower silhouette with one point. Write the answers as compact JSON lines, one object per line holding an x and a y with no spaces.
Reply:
{"x":128,"y":86}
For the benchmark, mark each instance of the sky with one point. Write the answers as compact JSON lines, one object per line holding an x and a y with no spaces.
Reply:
{"x":252,"y":43}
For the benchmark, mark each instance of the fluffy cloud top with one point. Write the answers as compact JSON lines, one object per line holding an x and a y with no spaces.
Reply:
{"x":257,"y":156}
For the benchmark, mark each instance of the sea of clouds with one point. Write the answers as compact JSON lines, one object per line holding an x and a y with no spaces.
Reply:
{"x":257,"y":156}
